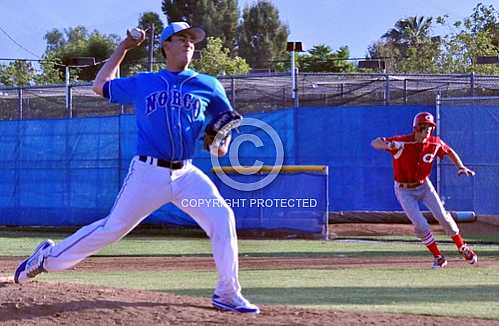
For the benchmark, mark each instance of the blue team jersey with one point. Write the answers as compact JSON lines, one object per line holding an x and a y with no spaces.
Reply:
{"x":170,"y":109}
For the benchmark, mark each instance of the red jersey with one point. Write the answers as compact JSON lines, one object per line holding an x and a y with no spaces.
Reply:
{"x":413,"y":161}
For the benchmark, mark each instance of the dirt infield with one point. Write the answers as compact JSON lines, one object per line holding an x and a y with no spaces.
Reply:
{"x":69,"y":304}
{"x":44,"y":303}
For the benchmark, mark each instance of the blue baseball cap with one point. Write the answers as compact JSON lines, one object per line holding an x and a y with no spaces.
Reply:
{"x":197,"y":34}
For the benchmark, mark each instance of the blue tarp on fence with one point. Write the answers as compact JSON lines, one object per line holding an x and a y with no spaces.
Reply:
{"x":68,"y":172}
{"x":473,"y":131}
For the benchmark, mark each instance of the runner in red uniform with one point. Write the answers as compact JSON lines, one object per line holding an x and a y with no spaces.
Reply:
{"x":413,"y":157}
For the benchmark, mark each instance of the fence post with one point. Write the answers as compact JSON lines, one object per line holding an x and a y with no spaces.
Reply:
{"x":233,"y":91}
{"x":438,"y":103}
{"x":68,"y":91}
{"x":151,"y":48}
{"x":405,"y":91}
{"x":70,"y":101}
{"x":118,"y":75}
{"x":20,"y":102}
{"x":293,"y":76}
{"x":386,"y":96}
{"x":297,"y":97}
{"x":472,"y":83}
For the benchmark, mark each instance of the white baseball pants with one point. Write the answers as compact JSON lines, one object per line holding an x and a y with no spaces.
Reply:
{"x":145,"y":189}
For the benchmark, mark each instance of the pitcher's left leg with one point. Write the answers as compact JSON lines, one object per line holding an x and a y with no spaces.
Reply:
{"x":195,"y":194}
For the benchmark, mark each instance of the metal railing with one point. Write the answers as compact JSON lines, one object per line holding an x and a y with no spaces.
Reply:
{"x":260,"y":92}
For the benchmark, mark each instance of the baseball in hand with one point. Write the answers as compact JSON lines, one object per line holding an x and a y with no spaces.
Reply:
{"x":136,"y":33}
{"x":394,"y":145}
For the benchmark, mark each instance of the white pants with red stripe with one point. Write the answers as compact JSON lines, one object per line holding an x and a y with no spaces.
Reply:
{"x":145,"y":189}
{"x":409,"y":199}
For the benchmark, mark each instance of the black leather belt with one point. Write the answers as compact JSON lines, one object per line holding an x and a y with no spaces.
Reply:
{"x":174,"y":165}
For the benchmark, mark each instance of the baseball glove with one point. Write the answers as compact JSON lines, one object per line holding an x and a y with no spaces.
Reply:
{"x":219,"y":128}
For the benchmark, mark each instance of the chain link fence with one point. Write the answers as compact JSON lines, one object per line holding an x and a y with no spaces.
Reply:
{"x":260,"y":93}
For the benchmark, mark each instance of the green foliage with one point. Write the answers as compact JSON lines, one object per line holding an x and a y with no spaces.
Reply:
{"x":55,"y":39}
{"x":476,"y":35}
{"x":412,"y":48}
{"x":51,"y":73}
{"x":216,"y":60}
{"x":262,"y":37}
{"x":409,"y":46}
{"x":22,"y":73}
{"x":261,"y":40}
{"x":421,"y":58}
{"x":142,"y":67}
{"x":409,"y":32}
{"x":17,"y":73}
{"x":219,"y":18}
{"x":321,"y":58}
{"x":78,"y":42}
{"x":228,"y":26}
{"x":179,"y":10}
{"x":390,"y":54}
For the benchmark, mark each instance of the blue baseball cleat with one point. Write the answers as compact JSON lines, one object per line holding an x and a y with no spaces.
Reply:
{"x":33,"y":265}
{"x":236,"y":304}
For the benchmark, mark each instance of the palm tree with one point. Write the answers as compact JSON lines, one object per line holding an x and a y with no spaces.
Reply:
{"x":409,"y":32}
{"x":409,"y":45}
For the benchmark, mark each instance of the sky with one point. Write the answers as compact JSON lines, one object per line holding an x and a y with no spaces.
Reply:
{"x":336,"y":23}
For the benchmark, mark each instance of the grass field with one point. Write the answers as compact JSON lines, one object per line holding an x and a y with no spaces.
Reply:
{"x":458,"y":291}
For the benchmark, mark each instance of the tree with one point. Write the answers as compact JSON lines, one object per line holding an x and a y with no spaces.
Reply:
{"x":51,"y":73}
{"x":262,"y":36}
{"x":409,"y":46}
{"x":318,"y":59}
{"x":76,"y":34}
{"x":55,"y":39}
{"x":409,"y":32}
{"x":149,"y":19}
{"x":412,"y":48}
{"x":423,"y":58}
{"x":137,"y":59}
{"x":388,"y":53}
{"x":216,"y":60}
{"x":228,"y":26}
{"x":321,"y":58}
{"x":17,"y":73}
{"x":179,"y":10}
{"x":342,"y":64}
{"x":78,"y":42}
{"x":218,"y":18}
{"x":476,"y":35}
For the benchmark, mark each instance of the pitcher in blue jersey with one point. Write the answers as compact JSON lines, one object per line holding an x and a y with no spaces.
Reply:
{"x":171,"y":106}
